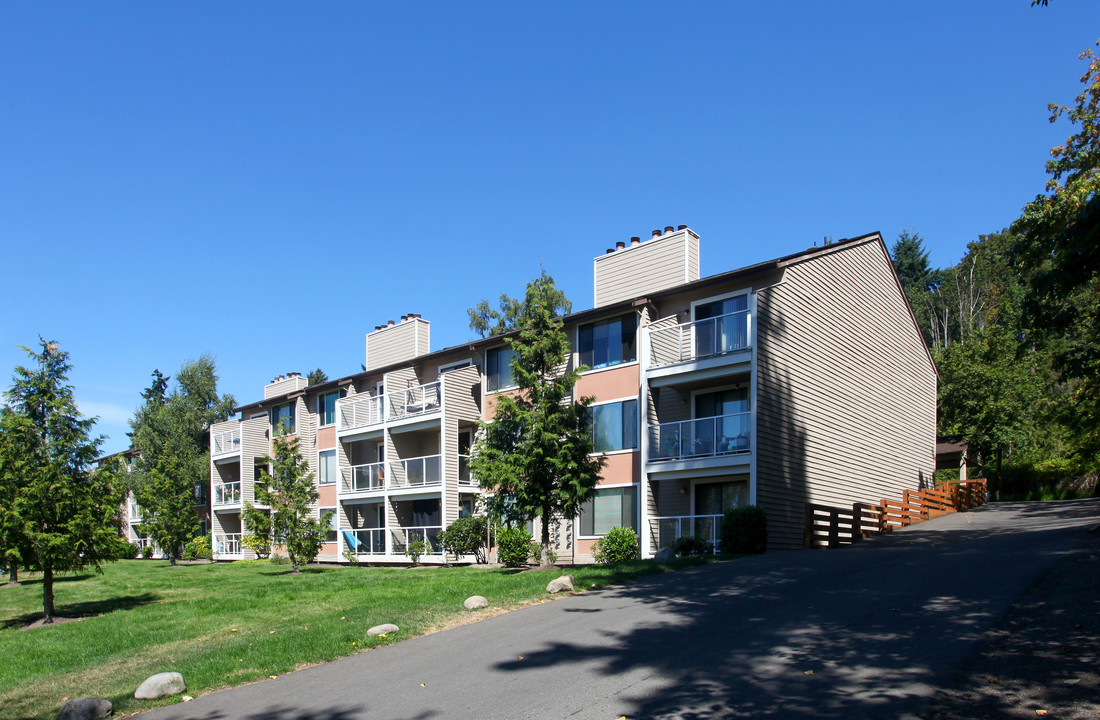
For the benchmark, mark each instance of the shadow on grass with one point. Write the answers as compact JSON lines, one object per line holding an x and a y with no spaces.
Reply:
{"x":57,"y":579}
{"x":303,"y":571}
{"x":90,"y":608}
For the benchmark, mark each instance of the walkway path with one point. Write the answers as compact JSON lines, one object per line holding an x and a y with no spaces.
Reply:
{"x":867,"y":631}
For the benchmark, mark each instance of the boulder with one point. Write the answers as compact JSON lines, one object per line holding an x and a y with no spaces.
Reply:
{"x":86,"y":708}
{"x":384,"y":629}
{"x":559,"y":584}
{"x":664,"y":555}
{"x":475,"y":601}
{"x":161,"y":684}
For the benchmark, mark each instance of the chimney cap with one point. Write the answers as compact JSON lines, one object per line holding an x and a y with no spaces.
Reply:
{"x":656,"y":233}
{"x":682,"y":227}
{"x":669,"y":228}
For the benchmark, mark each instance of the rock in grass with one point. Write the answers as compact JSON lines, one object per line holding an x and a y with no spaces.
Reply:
{"x":664,"y":555}
{"x":475,"y":601}
{"x":384,"y":629}
{"x":559,"y":584}
{"x":161,"y":684}
{"x":86,"y":708}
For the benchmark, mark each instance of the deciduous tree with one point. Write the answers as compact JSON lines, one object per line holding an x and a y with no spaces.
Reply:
{"x":486,"y":321}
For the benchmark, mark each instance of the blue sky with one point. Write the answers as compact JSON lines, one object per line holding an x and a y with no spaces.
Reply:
{"x":266,"y":182}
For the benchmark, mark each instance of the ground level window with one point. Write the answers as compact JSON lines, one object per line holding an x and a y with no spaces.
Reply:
{"x":333,"y":523}
{"x":608,"y":508}
{"x":615,"y":426}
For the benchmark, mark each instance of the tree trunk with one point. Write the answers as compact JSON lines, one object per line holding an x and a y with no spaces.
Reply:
{"x":293,"y":564}
{"x":13,"y":573}
{"x":171,"y":559}
{"x":47,"y":595}
{"x":544,"y":558}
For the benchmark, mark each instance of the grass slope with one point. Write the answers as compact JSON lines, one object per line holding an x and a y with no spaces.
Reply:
{"x":226,"y":624}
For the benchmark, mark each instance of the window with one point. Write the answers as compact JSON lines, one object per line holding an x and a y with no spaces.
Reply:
{"x":608,"y":508}
{"x":283,"y":414}
{"x":498,"y":369}
{"x":608,"y":342}
{"x":326,"y":407}
{"x":721,"y":326}
{"x":615,"y":426}
{"x":326,"y":467}
{"x":333,"y":523}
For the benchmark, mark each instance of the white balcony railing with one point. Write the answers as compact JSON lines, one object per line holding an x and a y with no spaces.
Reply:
{"x":704,"y":437}
{"x":227,"y":443}
{"x":667,"y":529}
{"x":413,"y":401}
{"x":227,"y":493}
{"x":227,"y":544}
{"x":363,"y":478}
{"x":135,"y":511}
{"x":401,"y":537}
{"x":416,"y":472}
{"x":369,"y":541}
{"x":699,"y":339}
{"x":358,"y":411}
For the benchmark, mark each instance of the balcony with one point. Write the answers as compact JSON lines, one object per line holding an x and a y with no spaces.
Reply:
{"x":365,"y":478}
{"x":413,"y":402}
{"x":371,"y":541}
{"x":226,"y":443}
{"x":416,"y":472}
{"x":358,"y":412}
{"x":465,"y":479}
{"x":702,"y":438}
{"x":227,"y":493}
{"x":227,"y":544}
{"x":666,"y":530}
{"x":718,"y":339}
{"x":402,"y":536}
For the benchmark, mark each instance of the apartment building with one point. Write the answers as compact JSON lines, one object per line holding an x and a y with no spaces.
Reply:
{"x":800,"y":379}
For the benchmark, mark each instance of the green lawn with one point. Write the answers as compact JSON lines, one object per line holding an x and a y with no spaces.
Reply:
{"x":227,"y":624}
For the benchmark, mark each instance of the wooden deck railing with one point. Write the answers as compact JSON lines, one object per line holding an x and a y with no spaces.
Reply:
{"x":828,"y":526}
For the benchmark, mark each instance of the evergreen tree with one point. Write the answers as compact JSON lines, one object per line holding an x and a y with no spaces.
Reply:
{"x":171,"y":433}
{"x":534,"y":455}
{"x":486,"y":321}
{"x":317,"y":377}
{"x":15,"y":438}
{"x":290,"y":493}
{"x":918,"y":280}
{"x":67,"y":515}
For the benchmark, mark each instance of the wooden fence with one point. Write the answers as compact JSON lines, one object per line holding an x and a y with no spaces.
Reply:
{"x":828,"y":526}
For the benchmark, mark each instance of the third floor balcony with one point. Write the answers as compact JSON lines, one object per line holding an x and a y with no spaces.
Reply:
{"x":715,"y":342}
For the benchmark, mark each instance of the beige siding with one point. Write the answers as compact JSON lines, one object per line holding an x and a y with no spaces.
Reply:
{"x":657,"y":264}
{"x":287,"y":385}
{"x":462,"y":393}
{"x":397,"y":343}
{"x":846,"y":394}
{"x":449,"y":498}
{"x":255,"y":444}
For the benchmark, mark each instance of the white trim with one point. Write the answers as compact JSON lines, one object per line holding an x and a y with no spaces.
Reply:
{"x":605,"y":368}
{"x":753,"y":395}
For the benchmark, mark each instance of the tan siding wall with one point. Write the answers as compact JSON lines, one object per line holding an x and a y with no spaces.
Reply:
{"x":282,"y":387}
{"x":654,"y":265}
{"x":462,"y":393}
{"x":846,"y":395}
{"x":449,"y":499}
{"x":254,"y":445}
{"x":398,"y":343}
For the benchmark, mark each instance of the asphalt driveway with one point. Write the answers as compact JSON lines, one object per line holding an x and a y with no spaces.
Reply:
{"x":867,"y":632}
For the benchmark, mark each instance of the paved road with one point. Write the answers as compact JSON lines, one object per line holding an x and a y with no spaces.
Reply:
{"x":864,"y":632}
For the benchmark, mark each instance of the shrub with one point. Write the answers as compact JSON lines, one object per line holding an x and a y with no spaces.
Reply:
{"x":147,"y":552}
{"x":688,"y":545}
{"x":465,"y":536}
{"x":535,"y":553}
{"x":618,"y":545}
{"x":259,"y":544}
{"x":277,"y":559}
{"x":513,"y":545}
{"x":131,"y":550}
{"x":417,"y":548}
{"x":198,"y":548}
{"x":744,"y":530}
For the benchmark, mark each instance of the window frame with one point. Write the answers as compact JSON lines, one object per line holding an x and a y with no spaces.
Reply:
{"x":497,"y":386}
{"x":336,"y":467}
{"x":637,"y":436}
{"x":611,"y":363}
{"x":322,"y":410}
{"x":292,"y":426}
{"x":334,"y":524}
{"x":634,"y":521}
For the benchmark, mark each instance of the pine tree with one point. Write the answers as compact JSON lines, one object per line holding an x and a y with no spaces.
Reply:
{"x":290,"y":493}
{"x":67,"y":515}
{"x":535,"y":454}
{"x":486,"y":321}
